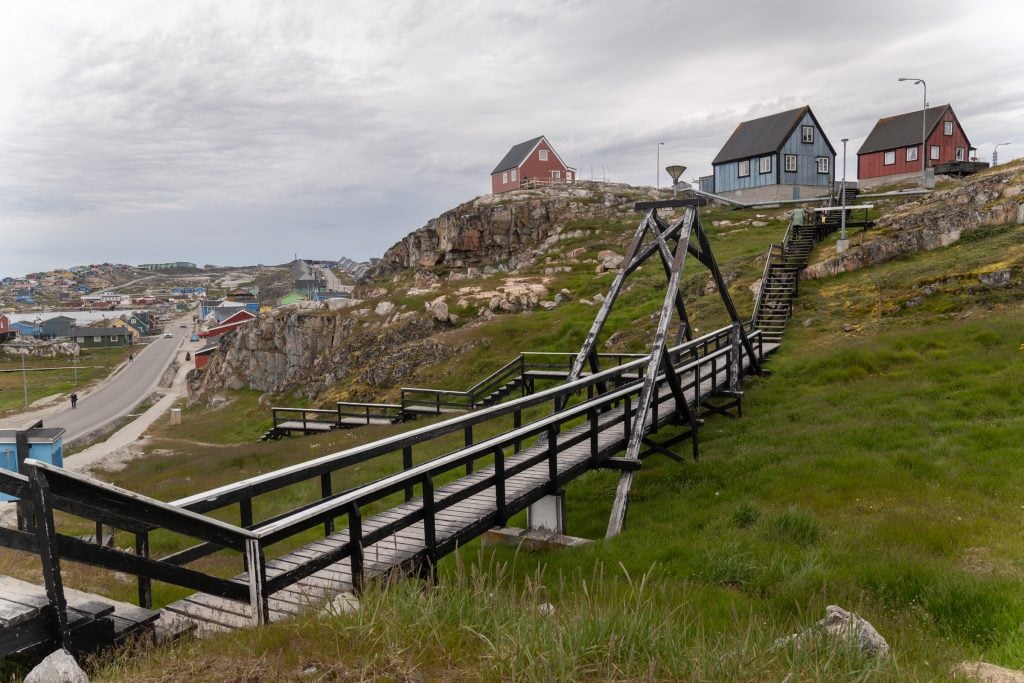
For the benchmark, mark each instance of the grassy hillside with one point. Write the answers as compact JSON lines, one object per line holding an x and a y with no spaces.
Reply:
{"x":878,"y":468}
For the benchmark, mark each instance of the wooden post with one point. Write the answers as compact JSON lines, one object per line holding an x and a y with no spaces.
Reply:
{"x":355,"y":542}
{"x":145,"y":584}
{"x":499,"y":485}
{"x":468,"y":440}
{"x":256,"y":566}
{"x":46,"y":537}
{"x":407,"y":465}
{"x":429,"y":527}
{"x":325,"y":492}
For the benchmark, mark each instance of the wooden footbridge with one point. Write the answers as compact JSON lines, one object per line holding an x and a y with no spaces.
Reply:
{"x":495,"y":462}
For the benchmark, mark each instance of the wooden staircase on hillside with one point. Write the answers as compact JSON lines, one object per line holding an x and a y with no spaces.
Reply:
{"x":780,"y":283}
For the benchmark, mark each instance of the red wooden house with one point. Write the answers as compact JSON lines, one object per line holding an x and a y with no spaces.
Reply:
{"x":202,"y":356}
{"x":892,"y":151}
{"x":534,"y":160}
{"x":5,"y":328}
{"x":237,"y":320}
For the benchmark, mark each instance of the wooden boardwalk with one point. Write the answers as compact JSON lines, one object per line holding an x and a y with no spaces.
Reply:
{"x":455,"y":524}
{"x":26,"y":620}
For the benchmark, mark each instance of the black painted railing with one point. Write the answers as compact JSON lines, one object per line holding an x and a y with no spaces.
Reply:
{"x":704,"y":364}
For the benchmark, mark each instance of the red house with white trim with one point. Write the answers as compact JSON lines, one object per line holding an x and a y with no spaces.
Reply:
{"x":237,"y":320}
{"x":892,"y":150}
{"x":534,"y":160}
{"x":5,"y":328}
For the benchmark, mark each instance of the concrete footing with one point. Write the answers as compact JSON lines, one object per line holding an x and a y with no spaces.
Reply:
{"x":547,"y":514}
{"x":530,"y":539}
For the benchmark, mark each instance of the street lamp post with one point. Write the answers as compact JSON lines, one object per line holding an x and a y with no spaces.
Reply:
{"x":924,"y":132}
{"x":995,"y":152}
{"x":657,"y":168}
{"x":842,"y":194}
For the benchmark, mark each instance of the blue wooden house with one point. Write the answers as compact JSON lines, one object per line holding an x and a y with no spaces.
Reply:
{"x":774,"y":158}
{"x":44,"y":444}
{"x":26,"y":329}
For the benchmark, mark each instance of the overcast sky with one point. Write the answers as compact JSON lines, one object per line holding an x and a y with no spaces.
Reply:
{"x":247,"y":132}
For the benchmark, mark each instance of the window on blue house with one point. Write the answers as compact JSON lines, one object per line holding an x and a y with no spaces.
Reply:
{"x":791,"y":163}
{"x":744,"y":168}
{"x":823,"y":165}
{"x":764,"y":165}
{"x":807,"y":134}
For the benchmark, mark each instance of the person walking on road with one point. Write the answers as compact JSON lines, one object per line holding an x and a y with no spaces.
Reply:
{"x":131,"y":357}
{"x":74,"y":400}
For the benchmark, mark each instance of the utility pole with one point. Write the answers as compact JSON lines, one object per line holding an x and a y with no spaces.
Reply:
{"x":24,"y":379}
{"x":657,"y":168}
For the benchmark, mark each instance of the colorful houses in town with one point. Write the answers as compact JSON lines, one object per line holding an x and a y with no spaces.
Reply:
{"x":892,"y":150}
{"x":777,"y":157}
{"x":532,"y":162}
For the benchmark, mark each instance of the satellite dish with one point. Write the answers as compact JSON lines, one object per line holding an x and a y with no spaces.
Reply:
{"x":675,"y":171}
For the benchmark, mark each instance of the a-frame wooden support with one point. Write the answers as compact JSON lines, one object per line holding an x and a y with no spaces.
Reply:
{"x":671,"y":242}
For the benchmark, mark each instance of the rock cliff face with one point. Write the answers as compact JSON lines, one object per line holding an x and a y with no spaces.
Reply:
{"x":372,"y":345}
{"x":503,"y":229}
{"x":308,"y":348}
{"x":995,"y":198}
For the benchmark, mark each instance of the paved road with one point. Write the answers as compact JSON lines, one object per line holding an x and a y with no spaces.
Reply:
{"x":122,"y":392}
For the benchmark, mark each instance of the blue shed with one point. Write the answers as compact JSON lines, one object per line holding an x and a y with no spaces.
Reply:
{"x":774,"y":158}
{"x":44,"y":444}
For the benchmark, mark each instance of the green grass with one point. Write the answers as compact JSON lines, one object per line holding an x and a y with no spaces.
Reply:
{"x":49,"y":376}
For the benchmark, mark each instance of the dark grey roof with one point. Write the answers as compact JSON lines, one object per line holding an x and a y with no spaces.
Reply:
{"x":761,"y":136}
{"x":209,"y":347}
{"x":516,"y":155}
{"x":901,"y":130}
{"x":98,"y":331}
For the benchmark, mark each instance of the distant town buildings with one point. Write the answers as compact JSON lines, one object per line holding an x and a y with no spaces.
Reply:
{"x":166,"y":266}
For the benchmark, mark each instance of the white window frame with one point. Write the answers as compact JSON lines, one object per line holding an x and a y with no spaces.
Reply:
{"x":764,"y":165}
{"x":556,"y":174}
{"x":98,"y":340}
{"x":911,"y":154}
{"x":889,"y":158}
{"x":542,"y":154}
{"x":80,"y":340}
{"x":934,"y":152}
{"x":743,"y":168}
{"x":947,"y":127}
{"x":961,"y":153}
{"x":513,"y":175}
{"x":504,"y":177}
{"x":807,"y":135}
{"x":824,"y":165}
{"x":790,"y":163}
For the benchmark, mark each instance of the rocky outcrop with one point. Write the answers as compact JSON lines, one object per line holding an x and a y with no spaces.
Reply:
{"x":995,"y":198}
{"x":503,"y":229}
{"x":35,"y":348}
{"x":308,"y":349}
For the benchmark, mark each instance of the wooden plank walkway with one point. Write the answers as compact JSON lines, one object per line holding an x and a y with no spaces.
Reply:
{"x":455,"y":524}
{"x":26,"y":620}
